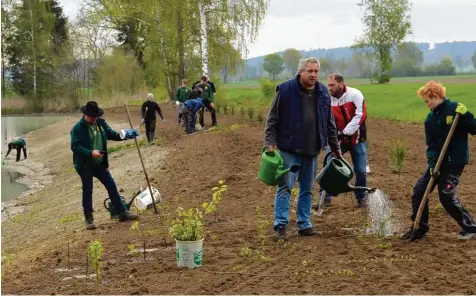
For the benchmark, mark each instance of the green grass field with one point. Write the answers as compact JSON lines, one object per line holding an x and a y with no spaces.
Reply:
{"x":397,"y":100}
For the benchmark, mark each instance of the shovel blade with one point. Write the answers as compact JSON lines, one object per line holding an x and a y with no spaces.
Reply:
{"x":320,"y":208}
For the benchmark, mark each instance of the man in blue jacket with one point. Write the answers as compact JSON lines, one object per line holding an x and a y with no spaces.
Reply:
{"x":190,"y":109}
{"x":89,"y":145}
{"x":300,"y":123}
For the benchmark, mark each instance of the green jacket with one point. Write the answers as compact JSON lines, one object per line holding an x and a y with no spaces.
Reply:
{"x":182,"y":94}
{"x":437,"y":126}
{"x":206,"y":91}
{"x":81,"y":144}
{"x":18,"y":143}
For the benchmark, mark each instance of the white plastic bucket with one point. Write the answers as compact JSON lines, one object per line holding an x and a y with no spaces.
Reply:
{"x":144,"y":199}
{"x":189,"y":253}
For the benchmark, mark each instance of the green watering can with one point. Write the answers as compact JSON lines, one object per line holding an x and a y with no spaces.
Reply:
{"x":272,"y":167}
{"x":112,"y":210}
{"x":335,"y":176}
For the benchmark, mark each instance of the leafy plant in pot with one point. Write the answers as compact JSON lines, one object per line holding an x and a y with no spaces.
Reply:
{"x":187,"y":230}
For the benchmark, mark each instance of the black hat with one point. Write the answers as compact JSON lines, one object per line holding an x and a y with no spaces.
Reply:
{"x":92,"y":109}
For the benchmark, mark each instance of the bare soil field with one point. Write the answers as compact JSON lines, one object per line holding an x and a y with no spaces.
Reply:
{"x":185,"y":168}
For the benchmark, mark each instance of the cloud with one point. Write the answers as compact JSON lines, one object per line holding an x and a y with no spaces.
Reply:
{"x":308,"y":24}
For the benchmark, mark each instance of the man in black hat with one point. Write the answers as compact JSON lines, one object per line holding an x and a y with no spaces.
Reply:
{"x":89,"y":145}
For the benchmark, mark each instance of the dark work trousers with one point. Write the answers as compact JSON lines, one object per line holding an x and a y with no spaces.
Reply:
{"x":189,"y":120}
{"x":212,"y":113}
{"x":10,"y":146}
{"x":447,"y":183}
{"x":150,"y":129}
{"x":105,"y":177}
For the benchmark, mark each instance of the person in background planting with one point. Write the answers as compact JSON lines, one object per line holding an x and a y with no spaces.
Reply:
{"x":300,"y":123}
{"x":212,"y":86}
{"x":181,"y":96}
{"x":89,"y":145}
{"x":350,"y":113}
{"x":437,"y":126}
{"x":190,"y":109}
{"x":206,"y":93}
{"x":149,"y":108}
{"x":18,"y":144}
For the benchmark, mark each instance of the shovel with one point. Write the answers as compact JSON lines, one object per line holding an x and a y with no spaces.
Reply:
{"x":416,"y":223}
{"x":320,"y":205}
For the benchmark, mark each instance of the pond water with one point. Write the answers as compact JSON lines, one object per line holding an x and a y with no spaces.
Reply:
{"x":16,"y":126}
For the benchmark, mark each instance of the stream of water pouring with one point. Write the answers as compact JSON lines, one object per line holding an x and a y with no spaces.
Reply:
{"x":381,"y":214}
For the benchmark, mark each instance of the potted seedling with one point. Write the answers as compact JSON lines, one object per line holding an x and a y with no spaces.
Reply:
{"x":187,"y":230}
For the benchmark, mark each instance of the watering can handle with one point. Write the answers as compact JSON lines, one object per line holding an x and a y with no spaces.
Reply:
{"x":105,"y":204}
{"x":327,"y":159}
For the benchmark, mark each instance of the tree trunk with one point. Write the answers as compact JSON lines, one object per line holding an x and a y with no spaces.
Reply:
{"x":164,"y":58}
{"x":204,"y":38}
{"x":34,"y":53}
{"x":3,"y":70}
{"x":181,"y":49}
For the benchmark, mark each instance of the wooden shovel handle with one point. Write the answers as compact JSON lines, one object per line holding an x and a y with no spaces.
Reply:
{"x":416,"y":223}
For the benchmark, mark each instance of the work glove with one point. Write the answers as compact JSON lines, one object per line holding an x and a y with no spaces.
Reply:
{"x":142,"y":121}
{"x":130,"y":133}
{"x":163,"y":120}
{"x":461,"y":109}
{"x":433,"y":173}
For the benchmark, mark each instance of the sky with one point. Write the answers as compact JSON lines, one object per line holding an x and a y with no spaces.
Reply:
{"x":312,"y":24}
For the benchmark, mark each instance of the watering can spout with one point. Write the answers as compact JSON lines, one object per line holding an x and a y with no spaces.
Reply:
{"x":368,"y":189}
{"x":281,"y":172}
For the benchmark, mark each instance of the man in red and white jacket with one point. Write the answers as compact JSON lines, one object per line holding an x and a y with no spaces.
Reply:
{"x":350,"y":113}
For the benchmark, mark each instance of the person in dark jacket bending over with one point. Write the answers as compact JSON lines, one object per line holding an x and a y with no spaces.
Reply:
{"x":18,"y":144}
{"x":300,"y":123}
{"x":149,"y":108}
{"x":437,"y":126}
{"x":89,"y":145}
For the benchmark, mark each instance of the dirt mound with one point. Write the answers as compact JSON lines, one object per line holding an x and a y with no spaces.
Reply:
{"x":239,"y":259}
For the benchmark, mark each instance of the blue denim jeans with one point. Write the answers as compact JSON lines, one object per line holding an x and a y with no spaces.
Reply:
{"x":105,"y":177}
{"x":306,"y":173}
{"x":358,"y":153}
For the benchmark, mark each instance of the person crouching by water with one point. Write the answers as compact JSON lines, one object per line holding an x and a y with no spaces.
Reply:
{"x":89,"y":145}
{"x":18,"y":144}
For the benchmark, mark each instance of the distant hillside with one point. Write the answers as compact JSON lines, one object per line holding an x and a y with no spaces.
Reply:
{"x":462,"y":49}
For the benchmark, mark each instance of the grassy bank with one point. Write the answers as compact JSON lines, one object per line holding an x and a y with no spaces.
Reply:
{"x":397,"y":100}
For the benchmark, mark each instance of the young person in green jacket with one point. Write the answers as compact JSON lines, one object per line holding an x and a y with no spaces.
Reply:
{"x":89,"y":145}
{"x":206,"y":93}
{"x":18,"y":144}
{"x":437,"y":126}
{"x":181,"y":96}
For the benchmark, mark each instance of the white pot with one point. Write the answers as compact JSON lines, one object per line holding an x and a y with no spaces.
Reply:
{"x":144,"y":199}
{"x":189,"y":253}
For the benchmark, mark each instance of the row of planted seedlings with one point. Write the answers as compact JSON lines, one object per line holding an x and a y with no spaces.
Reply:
{"x":186,"y":228}
{"x":253,"y":114}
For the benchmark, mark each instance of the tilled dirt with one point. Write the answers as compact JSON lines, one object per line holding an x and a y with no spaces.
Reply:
{"x":185,"y":169}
